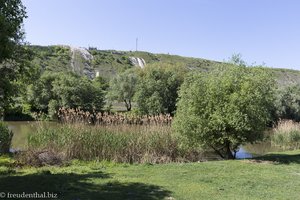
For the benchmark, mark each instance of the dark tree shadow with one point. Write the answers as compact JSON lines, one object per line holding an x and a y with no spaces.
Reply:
{"x":279,"y":158}
{"x":91,"y":186}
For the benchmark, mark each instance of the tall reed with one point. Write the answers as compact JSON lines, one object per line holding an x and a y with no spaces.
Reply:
{"x":287,"y":134}
{"x":67,"y":115}
{"x":120,"y":143}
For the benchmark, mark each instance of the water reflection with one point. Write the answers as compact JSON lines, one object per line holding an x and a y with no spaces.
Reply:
{"x":243,"y":154}
{"x":22,"y":129}
{"x":257,"y":149}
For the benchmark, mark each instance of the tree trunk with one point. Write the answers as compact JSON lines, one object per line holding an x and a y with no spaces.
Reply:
{"x":229,"y":153}
{"x":128,"y":105}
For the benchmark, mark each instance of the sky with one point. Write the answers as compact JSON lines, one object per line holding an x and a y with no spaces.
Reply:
{"x":262,"y":31}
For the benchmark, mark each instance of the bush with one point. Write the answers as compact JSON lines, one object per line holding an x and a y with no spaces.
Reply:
{"x":287,"y":135}
{"x":5,"y":138}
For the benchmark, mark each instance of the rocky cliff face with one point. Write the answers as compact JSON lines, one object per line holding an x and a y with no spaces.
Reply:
{"x":81,"y":61}
{"x":139,"y":62}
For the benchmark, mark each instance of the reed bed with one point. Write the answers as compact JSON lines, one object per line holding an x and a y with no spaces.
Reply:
{"x":287,"y":134}
{"x":120,"y":143}
{"x":67,"y":115}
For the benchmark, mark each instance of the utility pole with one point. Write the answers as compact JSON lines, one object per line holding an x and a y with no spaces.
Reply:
{"x":136,"y":44}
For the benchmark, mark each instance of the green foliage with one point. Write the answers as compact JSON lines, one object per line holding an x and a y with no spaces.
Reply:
{"x":157,"y":88}
{"x":53,"y":107}
{"x":236,"y":59}
{"x":101,"y":82}
{"x":225,"y":108}
{"x":14,"y":58}
{"x":123,"y":87}
{"x":55,"y":90}
{"x":52,"y":58}
{"x":5,"y":138}
{"x":40,"y":93}
{"x":288,"y":102}
{"x":12,"y":14}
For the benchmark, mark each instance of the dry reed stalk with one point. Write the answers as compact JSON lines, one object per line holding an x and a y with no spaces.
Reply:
{"x":67,"y":115}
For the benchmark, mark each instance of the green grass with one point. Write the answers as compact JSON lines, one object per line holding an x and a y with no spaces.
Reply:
{"x":238,"y":179}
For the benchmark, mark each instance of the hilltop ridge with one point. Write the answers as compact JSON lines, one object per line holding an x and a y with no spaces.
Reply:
{"x":107,"y":63}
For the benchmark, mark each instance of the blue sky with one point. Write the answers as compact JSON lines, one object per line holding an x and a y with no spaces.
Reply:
{"x":261,"y":30}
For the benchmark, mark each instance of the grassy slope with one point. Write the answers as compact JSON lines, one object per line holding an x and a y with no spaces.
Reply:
{"x":111,"y":62}
{"x":240,"y":179}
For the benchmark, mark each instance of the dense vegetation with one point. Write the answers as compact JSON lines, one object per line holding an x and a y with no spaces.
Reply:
{"x":14,"y":65}
{"x":118,"y":143}
{"x":216,"y":106}
{"x":55,"y":90}
{"x":234,"y":99}
{"x":225,"y":108}
{"x":219,"y":107}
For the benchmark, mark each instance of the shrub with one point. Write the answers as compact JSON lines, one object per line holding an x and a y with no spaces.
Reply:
{"x":5,"y":138}
{"x":287,"y":134}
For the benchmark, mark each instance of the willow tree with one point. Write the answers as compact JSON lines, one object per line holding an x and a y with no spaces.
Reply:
{"x":225,"y":108}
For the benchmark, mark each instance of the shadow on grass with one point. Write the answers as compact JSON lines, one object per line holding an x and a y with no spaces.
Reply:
{"x":279,"y":158}
{"x":90,"y":186}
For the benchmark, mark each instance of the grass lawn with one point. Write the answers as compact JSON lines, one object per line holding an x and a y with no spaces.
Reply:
{"x":275,"y":176}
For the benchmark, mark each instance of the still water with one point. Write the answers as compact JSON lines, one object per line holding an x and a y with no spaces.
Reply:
{"x":22,"y":129}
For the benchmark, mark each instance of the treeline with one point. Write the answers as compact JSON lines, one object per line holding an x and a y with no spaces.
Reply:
{"x":149,"y":91}
{"x":153,"y":91}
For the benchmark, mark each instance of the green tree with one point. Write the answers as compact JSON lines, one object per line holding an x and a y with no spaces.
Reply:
{"x":54,"y":90}
{"x":225,"y":108}
{"x":12,"y":14}
{"x":13,"y":56}
{"x":288,"y":102}
{"x":157,"y":89}
{"x":73,"y":92}
{"x":101,"y":82}
{"x":41,"y":92}
{"x":123,"y":87}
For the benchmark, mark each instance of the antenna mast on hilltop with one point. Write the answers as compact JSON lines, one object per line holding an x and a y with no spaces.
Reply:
{"x":136,"y":44}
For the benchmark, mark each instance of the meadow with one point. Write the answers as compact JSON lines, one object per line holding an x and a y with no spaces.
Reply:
{"x":274,"y":176}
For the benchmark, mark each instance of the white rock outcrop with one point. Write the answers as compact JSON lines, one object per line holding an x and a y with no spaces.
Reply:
{"x":139,"y":62}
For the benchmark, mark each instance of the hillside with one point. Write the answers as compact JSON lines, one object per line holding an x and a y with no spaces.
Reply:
{"x":107,"y":63}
